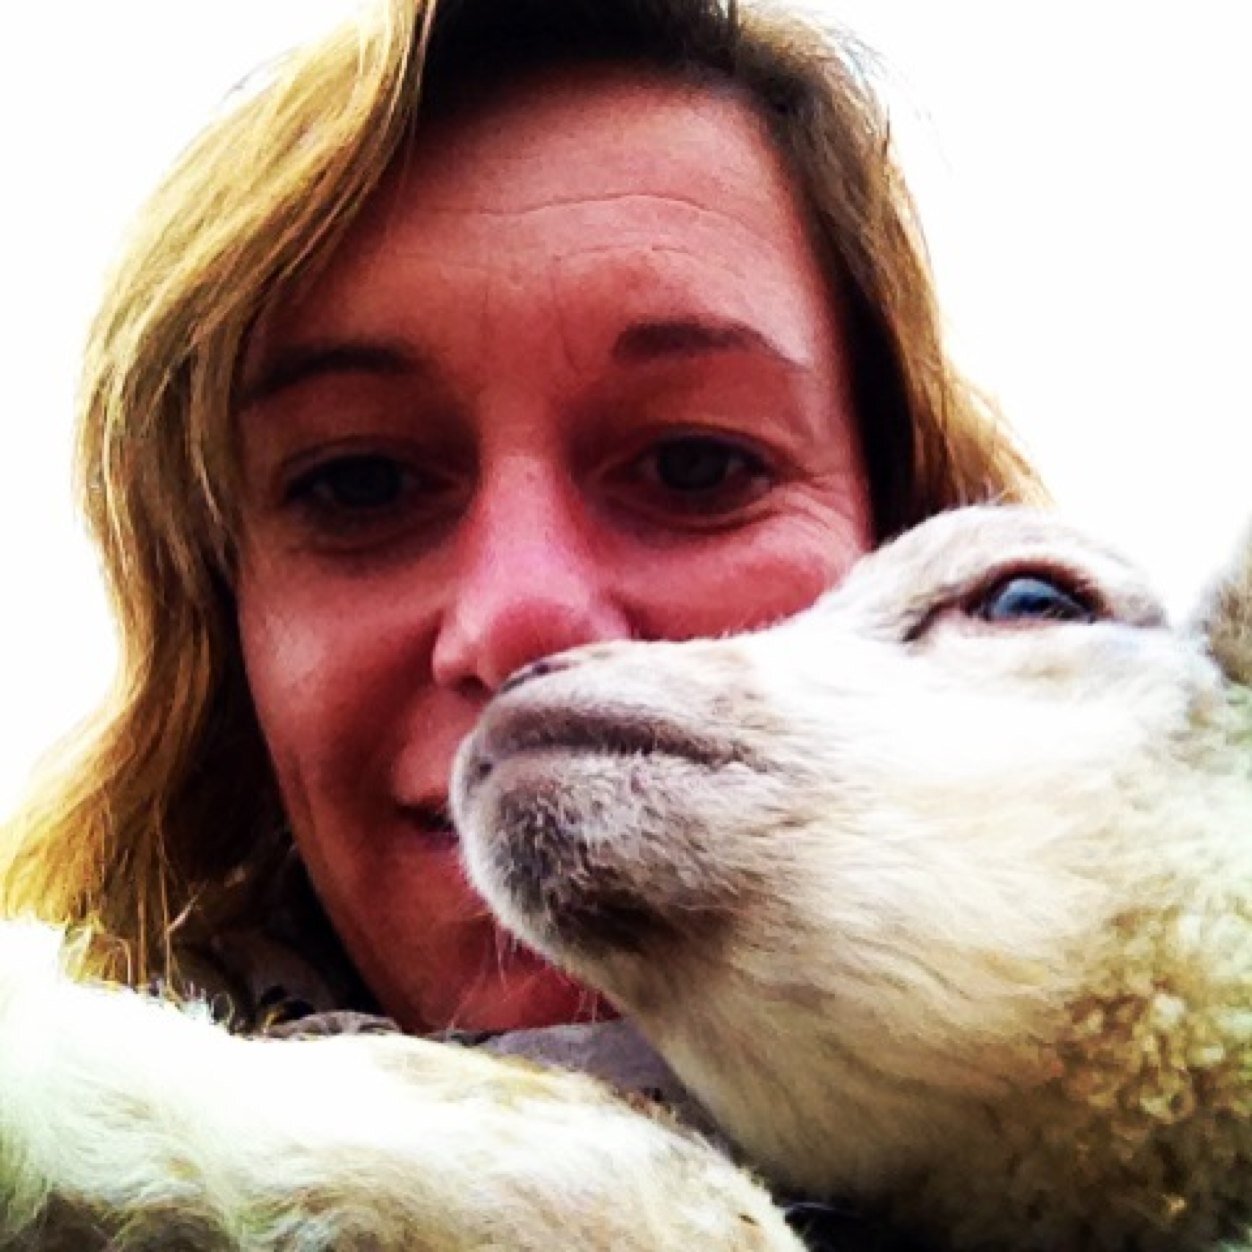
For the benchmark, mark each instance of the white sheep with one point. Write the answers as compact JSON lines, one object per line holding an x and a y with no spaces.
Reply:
{"x":135,"y":1126}
{"x":938,"y":896}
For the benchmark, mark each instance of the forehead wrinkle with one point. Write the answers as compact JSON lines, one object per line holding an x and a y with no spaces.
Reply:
{"x":643,"y":235}
{"x":549,"y":204}
{"x":646,"y":225}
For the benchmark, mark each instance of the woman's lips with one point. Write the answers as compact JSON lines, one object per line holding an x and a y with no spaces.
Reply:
{"x":433,"y":822}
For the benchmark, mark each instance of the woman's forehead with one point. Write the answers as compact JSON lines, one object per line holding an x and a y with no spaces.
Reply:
{"x":594,"y":144}
{"x":600,"y":190}
{"x":643,"y":125}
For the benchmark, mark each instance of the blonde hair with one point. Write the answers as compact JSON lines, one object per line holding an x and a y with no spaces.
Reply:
{"x":165,"y":808}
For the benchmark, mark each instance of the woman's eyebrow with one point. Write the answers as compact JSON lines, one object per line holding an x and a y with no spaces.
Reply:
{"x":297,"y":363}
{"x":646,"y":341}
{"x":639,"y":343}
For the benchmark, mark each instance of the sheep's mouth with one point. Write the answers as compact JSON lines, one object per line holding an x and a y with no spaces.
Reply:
{"x":615,"y":733}
{"x":573,"y":869}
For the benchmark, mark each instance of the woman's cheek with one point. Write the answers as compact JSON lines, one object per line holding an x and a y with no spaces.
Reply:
{"x":745,"y":581}
{"x":321,"y":678}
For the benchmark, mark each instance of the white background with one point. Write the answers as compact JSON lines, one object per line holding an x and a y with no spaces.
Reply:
{"x":1084,"y":176}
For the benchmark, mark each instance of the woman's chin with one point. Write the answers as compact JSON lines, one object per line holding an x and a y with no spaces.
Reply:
{"x":470,"y":976}
{"x":525,"y":992}
{"x":436,"y":959}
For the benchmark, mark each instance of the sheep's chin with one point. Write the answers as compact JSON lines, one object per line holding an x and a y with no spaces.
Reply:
{"x":587,"y":849}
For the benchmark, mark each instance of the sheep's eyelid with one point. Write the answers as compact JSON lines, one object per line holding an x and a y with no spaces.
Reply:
{"x":962,"y":599}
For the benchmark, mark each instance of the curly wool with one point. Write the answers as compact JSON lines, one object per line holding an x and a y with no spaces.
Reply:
{"x":1142,"y":1138}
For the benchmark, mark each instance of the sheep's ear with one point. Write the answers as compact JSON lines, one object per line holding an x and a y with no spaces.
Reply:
{"x":1224,"y":616}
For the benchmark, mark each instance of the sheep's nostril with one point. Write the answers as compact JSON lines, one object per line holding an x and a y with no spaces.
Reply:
{"x":536,"y":669}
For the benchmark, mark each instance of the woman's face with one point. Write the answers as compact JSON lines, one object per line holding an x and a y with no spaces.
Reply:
{"x":574,"y":376}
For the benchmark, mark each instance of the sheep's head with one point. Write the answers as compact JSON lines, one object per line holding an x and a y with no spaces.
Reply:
{"x":888,"y":872}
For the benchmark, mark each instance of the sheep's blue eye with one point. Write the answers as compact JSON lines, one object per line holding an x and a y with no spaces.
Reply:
{"x":1032,"y":598}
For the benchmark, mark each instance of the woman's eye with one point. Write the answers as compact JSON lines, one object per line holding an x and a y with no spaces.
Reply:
{"x":352,"y":484}
{"x":364,"y":497}
{"x":696,"y":464}
{"x":1031,"y":597}
{"x":702,"y":474}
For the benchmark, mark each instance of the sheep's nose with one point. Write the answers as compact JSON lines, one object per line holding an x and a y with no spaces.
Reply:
{"x":536,"y":669}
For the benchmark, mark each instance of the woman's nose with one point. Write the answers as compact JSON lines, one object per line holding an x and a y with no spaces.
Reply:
{"x":526,"y":583}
